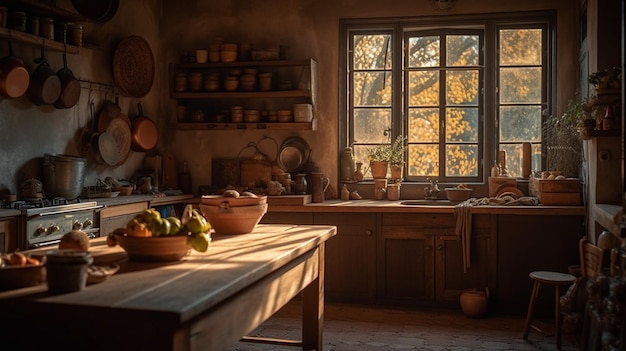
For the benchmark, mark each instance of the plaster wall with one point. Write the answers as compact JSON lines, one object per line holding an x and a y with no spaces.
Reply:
{"x":306,"y":28}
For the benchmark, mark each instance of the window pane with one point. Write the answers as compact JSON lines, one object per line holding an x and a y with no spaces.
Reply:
{"x":461,"y":160}
{"x":424,"y":88}
{"x":520,"y":85}
{"x":520,"y":123}
{"x":424,"y":51}
{"x":423,"y":160}
{"x":462,"y":87}
{"x":372,"y":52}
{"x":423,"y":125}
{"x":520,"y":47}
{"x":372,"y":89}
{"x":462,"y":125}
{"x":370,"y":124}
{"x":462,"y":50}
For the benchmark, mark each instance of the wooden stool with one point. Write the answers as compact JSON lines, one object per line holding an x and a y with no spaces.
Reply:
{"x":555,"y":279}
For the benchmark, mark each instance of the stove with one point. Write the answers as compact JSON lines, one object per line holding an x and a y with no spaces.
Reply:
{"x":45,"y":221}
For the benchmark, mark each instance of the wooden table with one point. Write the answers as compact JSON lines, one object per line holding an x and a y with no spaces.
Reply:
{"x":207,"y":301}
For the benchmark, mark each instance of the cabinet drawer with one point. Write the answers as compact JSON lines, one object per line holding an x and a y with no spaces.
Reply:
{"x":421,"y":220}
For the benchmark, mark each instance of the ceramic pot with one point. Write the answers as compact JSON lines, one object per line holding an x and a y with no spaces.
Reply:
{"x":378,"y":169}
{"x":474,"y":302}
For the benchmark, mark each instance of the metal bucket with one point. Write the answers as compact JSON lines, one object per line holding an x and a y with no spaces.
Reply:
{"x":63,"y":175}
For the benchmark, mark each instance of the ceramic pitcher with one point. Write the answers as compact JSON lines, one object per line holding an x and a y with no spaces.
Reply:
{"x":319,"y":184}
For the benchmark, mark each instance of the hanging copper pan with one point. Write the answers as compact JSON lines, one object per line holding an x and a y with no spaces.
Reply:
{"x":14,"y":76}
{"x":144,"y":132}
{"x":97,"y":11}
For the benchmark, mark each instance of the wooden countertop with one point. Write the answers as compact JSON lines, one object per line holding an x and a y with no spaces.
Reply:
{"x":385,"y":206}
{"x":164,"y":296}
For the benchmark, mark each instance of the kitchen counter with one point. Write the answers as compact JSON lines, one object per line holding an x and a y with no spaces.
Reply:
{"x":152,"y":199}
{"x":382,"y":206}
{"x":9,"y":213}
{"x":205,"y":301}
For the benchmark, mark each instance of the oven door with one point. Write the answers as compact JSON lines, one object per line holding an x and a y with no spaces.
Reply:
{"x":47,"y":228}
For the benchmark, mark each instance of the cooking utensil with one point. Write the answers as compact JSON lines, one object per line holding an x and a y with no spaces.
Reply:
{"x":293,"y":154}
{"x":144,"y":132}
{"x":45,"y":86}
{"x":133,"y":67}
{"x":121,"y":133}
{"x":14,"y":76}
{"x":64,"y":175}
{"x":108,"y":112}
{"x":97,"y":11}
{"x":105,"y":148}
{"x":70,"y":87}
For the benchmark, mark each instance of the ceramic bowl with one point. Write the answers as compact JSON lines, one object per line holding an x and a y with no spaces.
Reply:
{"x":153,"y":249}
{"x":15,"y":277}
{"x":233,"y":220}
{"x":458,"y":194}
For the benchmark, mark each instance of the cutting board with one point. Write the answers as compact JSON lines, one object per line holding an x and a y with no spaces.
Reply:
{"x":170,"y":176}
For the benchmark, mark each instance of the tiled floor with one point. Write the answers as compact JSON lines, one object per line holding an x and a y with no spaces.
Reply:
{"x":369,"y":328}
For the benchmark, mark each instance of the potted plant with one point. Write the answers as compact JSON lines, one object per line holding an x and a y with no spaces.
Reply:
{"x":385,"y":155}
{"x":396,"y":157}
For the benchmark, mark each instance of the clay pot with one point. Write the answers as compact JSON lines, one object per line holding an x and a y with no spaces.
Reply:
{"x":474,"y":302}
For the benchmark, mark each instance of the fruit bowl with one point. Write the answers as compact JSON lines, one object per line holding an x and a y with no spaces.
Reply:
{"x":458,"y":194}
{"x":15,"y":277}
{"x":219,"y":200}
{"x":152,"y":249}
{"x":226,"y":219}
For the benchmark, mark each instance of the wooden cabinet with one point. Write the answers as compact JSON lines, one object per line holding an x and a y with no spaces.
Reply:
{"x":118,"y":216}
{"x":214,"y":106}
{"x":533,"y":243}
{"x":8,"y":235}
{"x":421,"y":258}
{"x":350,"y":257}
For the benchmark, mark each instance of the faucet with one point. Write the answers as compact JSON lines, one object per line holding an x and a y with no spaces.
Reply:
{"x":431,"y":190}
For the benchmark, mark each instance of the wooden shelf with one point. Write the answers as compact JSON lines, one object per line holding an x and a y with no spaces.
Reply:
{"x":234,"y":126}
{"x":276,"y":63}
{"x":242,"y":94}
{"x":609,"y":216}
{"x":21,"y":37}
{"x":41,"y":9}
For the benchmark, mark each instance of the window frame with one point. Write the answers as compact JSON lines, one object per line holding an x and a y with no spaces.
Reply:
{"x":490,"y":23}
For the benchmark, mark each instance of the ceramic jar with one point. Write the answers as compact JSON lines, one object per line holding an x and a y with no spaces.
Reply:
{"x":299,"y":185}
{"x":474,"y":302}
{"x":319,"y":184}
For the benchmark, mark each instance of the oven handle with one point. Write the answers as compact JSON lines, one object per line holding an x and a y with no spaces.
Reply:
{"x":61,"y":212}
{"x":91,"y":235}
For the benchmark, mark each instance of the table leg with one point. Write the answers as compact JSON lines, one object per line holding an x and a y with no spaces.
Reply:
{"x":313,"y":309}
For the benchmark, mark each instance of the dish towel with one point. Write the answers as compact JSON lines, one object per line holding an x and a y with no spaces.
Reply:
{"x":463,"y":215}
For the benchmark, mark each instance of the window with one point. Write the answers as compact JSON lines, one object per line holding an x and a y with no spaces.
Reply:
{"x":459,"y":90}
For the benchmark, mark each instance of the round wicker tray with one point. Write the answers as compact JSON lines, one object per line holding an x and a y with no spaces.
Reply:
{"x":133,"y":67}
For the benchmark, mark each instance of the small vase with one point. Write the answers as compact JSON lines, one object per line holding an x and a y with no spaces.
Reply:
{"x":358,"y":174}
{"x":378,"y":169}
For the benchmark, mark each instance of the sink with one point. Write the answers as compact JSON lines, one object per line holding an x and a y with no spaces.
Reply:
{"x":442,"y":202}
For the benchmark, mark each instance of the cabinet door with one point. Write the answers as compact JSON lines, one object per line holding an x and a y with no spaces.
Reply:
{"x":451,"y":279}
{"x":407,"y":268}
{"x":350,"y":273}
{"x":8,"y":235}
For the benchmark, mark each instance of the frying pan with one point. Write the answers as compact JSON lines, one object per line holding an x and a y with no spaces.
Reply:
{"x":14,"y":76}
{"x":98,"y":11}
{"x":44,"y":87}
{"x":70,"y":87}
{"x":144,"y":132}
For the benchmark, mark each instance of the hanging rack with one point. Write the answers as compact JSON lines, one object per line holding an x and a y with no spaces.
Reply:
{"x":92,"y":85}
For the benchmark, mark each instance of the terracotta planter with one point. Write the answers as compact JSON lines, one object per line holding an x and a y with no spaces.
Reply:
{"x":396,"y":171}
{"x":378,"y":169}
